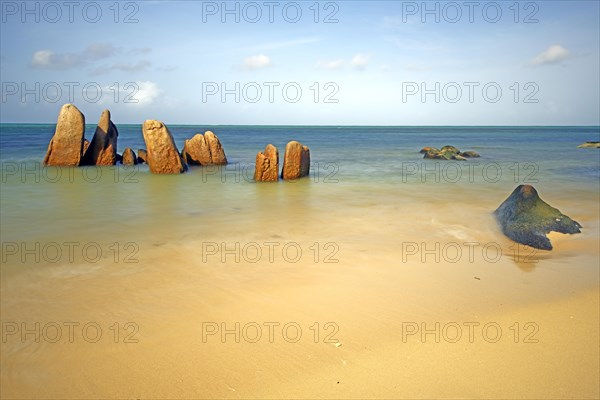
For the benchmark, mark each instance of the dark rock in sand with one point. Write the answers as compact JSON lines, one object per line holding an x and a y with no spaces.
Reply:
{"x":66,"y":146}
{"x":526,"y":218}
{"x":267,"y":165}
{"x":589,"y":145}
{"x":129,"y":157}
{"x":141,"y":156}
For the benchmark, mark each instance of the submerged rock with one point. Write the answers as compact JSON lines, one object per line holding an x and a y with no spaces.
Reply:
{"x":526,"y":218}
{"x":296,"y":161}
{"x":162,"y":154}
{"x":66,"y":146}
{"x":103,"y":147}
{"x":267,"y":165}
{"x":141,"y":156}
{"x":447,"y":153}
{"x":426,"y":150}
{"x":129,"y":157}
{"x":589,"y":145}
{"x":470,"y":154}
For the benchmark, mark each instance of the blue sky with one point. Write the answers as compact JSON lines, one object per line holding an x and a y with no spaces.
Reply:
{"x":368,"y":65}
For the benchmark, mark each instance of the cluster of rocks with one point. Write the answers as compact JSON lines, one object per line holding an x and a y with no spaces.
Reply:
{"x":296,"y":163}
{"x":589,"y":145}
{"x":447,"y":153}
{"x":68,"y":147}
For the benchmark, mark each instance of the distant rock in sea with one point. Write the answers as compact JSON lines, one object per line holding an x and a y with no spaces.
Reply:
{"x":447,"y":153}
{"x":296,"y":161}
{"x":163,"y":156}
{"x":141,"y":156}
{"x":204,"y":150}
{"x":267,"y":165}
{"x":66,"y":146}
{"x":526,"y":218}
{"x":129,"y":157}
{"x":589,"y":145}
{"x":103,"y":147}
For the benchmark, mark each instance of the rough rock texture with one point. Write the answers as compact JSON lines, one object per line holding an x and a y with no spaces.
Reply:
{"x":526,"y":218}
{"x":142,"y":156}
{"x":296,"y":162}
{"x":204,"y":150}
{"x":196,"y":151}
{"x":267,"y":165}
{"x":129,"y":157}
{"x":86,"y":145}
{"x":103,"y":147}
{"x":217,"y":154}
{"x":426,"y":150}
{"x":66,"y":146}
{"x":447,"y":153}
{"x":163,"y":156}
{"x":589,"y":145}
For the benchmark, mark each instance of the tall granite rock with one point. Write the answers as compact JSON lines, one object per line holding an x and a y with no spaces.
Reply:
{"x":196,"y":151}
{"x":162,"y":153}
{"x":526,"y":218}
{"x":267,"y":165}
{"x":204,"y":150}
{"x":66,"y":146}
{"x":103,"y":147}
{"x":296,"y":161}
{"x":217,"y":154}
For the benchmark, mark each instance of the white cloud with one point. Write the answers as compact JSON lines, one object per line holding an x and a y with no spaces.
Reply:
{"x":332,"y":65}
{"x":48,"y":59}
{"x":147,"y":92}
{"x":552,"y":55}
{"x":42,"y":58}
{"x":360,"y":61}
{"x":257,"y":62}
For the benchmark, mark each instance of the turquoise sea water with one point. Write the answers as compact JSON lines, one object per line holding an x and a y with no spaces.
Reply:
{"x":353,"y":169}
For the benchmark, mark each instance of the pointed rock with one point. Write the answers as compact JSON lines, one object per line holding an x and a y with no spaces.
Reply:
{"x":142,"y":156}
{"x":103,"y":147}
{"x":66,"y":146}
{"x":296,"y":161}
{"x":129,"y":157}
{"x":526,"y":218}
{"x":267,"y":165}
{"x":163,"y":156}
{"x":195,"y":151}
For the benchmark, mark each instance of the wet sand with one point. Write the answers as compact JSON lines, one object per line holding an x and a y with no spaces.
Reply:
{"x":370,"y":298}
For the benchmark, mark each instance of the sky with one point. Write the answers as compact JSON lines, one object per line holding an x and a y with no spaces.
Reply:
{"x":304,"y":62}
